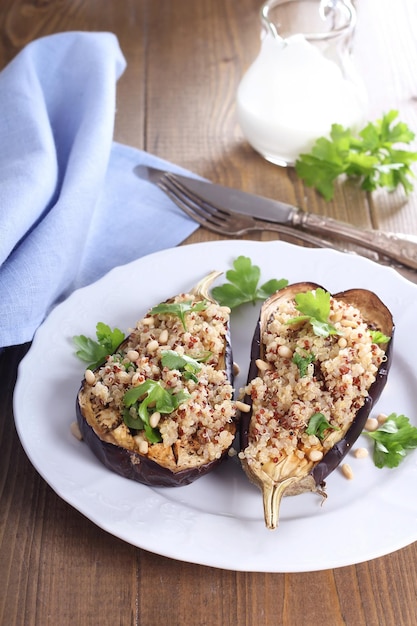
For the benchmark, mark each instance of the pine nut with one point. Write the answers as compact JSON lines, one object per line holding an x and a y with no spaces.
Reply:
{"x":242,"y":406}
{"x":315,"y":455}
{"x":285,"y":352}
{"x":342,"y":343}
{"x":262,"y":365}
{"x":371,"y":424}
{"x":347,"y":471}
{"x":211,"y":310}
{"x":382,"y":418}
{"x":123,"y":377}
{"x":133,"y":355}
{"x":90,"y":378}
{"x":148,"y":321}
{"x":154,"y":419}
{"x":361,"y":453}
{"x":75,"y":431}
{"x":163,"y":337}
{"x":143,"y":447}
{"x":348,"y":323}
{"x":152,"y":346}
{"x":136,"y":378}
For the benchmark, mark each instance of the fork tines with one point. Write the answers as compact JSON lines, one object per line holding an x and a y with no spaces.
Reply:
{"x":195,"y":207}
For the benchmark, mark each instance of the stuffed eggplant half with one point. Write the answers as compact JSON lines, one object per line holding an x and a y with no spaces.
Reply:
{"x":160,"y":410}
{"x":319,"y":363}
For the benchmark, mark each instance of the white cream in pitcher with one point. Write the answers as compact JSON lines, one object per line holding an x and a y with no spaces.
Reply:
{"x":292,"y":94}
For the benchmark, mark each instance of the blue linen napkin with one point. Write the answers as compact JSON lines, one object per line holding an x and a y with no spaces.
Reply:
{"x":71,"y":207}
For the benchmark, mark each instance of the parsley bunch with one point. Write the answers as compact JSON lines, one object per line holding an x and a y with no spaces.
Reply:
{"x":372,"y":157}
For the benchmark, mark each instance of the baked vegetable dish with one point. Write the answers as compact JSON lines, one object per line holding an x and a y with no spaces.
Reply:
{"x":318,"y":365}
{"x":160,"y":410}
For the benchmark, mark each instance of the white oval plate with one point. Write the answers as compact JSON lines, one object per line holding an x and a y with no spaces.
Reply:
{"x":218,"y":520}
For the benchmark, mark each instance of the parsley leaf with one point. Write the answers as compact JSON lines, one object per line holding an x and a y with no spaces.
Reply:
{"x":144,"y":400}
{"x":371,"y":157}
{"x":379,"y":337}
{"x":318,"y":424}
{"x":243,"y":285}
{"x":392,"y":440}
{"x":187,"y":365}
{"x":179,"y":308}
{"x":315,"y":307}
{"x":302,"y":361}
{"x":95,"y":352}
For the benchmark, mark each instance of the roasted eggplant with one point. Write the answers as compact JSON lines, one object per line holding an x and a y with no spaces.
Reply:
{"x":318,"y":365}
{"x":160,"y":410}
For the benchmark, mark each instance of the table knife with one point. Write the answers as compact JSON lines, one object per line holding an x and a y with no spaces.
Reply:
{"x":399,"y":247}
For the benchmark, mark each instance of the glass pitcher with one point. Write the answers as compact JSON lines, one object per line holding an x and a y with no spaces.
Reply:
{"x":303,"y":79}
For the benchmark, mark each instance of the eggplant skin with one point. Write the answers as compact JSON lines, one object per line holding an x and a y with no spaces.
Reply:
{"x":137,"y":466}
{"x":377,"y":315}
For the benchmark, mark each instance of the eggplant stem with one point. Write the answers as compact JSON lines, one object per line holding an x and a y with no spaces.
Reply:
{"x":202,"y":287}
{"x":272,"y":496}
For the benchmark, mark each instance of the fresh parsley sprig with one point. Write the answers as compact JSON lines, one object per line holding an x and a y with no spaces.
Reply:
{"x":180,"y":309}
{"x":315,"y":308}
{"x":185,"y":364}
{"x":95,"y":352}
{"x":378,"y":337}
{"x":302,"y":360}
{"x":392,"y":440}
{"x":372,"y":157}
{"x":243,"y":285}
{"x":145,"y":399}
{"x":318,"y":425}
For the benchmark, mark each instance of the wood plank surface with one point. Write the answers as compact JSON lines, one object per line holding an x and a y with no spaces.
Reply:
{"x":176,"y":99}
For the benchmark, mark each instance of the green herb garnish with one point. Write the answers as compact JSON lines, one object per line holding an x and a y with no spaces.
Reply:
{"x":180,"y":309}
{"x":315,"y":307}
{"x":302,"y":361}
{"x":145,"y":399}
{"x":95,"y":352}
{"x":371,"y":157}
{"x":187,"y":365}
{"x":378,"y":337}
{"x":392,"y":440}
{"x":243,"y":285}
{"x":318,"y":424}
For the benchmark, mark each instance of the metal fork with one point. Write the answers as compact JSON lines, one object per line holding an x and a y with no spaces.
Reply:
{"x":230,"y":223}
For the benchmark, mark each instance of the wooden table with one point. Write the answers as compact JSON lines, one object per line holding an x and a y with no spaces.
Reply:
{"x":177,"y":100}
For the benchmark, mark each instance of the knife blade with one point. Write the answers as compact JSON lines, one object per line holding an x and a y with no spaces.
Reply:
{"x":400,"y":248}
{"x":226,"y":197}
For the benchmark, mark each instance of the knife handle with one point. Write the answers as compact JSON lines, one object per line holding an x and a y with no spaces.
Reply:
{"x":391,"y":245}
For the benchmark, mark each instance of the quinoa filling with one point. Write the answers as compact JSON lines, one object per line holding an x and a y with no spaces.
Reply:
{"x":201,"y":426}
{"x":302,"y":375}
